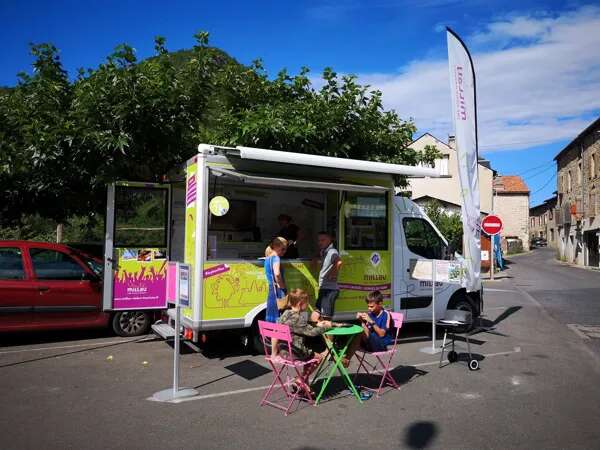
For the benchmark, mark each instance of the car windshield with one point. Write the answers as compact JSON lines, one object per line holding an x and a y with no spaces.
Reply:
{"x":96,"y":266}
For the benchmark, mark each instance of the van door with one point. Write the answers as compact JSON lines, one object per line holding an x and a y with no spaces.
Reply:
{"x":421,"y":242}
{"x":136,"y":246}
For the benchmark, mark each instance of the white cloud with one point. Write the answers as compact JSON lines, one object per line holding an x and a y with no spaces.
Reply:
{"x":538,"y":81}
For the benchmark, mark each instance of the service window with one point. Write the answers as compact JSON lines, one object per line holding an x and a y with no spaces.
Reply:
{"x":422,"y":239}
{"x":365,"y":222}
{"x":258,"y":213}
{"x":52,"y":265}
{"x":141,"y":216}
{"x":11,"y":264}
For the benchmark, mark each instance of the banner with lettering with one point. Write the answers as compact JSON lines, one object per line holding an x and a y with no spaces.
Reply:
{"x":464,"y":118}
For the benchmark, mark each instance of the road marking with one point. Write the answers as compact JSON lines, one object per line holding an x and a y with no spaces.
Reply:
{"x":41,"y":349}
{"x":500,"y":290}
{"x":586,"y":332}
{"x":261,"y":388}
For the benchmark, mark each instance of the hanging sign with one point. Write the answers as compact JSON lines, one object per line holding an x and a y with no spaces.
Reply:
{"x":219,"y":206}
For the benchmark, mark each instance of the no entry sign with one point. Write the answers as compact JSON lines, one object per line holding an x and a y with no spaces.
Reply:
{"x":491,"y":225}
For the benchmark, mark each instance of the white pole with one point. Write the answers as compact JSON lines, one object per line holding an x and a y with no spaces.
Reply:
{"x":176,"y":352}
{"x":170,"y":394}
{"x":492,"y":253}
{"x":433,"y":270}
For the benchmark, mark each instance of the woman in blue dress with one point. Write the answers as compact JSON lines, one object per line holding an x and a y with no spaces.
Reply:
{"x":274,"y":274}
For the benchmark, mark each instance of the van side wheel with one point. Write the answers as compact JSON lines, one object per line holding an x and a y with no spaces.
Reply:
{"x":131,"y":323}
{"x":256,"y":344}
{"x":462,"y":303}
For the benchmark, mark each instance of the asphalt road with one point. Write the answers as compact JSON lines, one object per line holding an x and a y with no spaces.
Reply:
{"x":571,"y":295}
{"x":537,"y":388}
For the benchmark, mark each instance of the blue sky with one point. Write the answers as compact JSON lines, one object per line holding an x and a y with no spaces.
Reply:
{"x":536,"y":62}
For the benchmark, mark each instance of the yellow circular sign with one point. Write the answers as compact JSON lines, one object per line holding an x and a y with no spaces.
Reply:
{"x":219,"y":206}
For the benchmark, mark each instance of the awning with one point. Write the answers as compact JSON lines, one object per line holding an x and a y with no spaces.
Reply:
{"x":297,"y":183}
{"x":260,"y":154}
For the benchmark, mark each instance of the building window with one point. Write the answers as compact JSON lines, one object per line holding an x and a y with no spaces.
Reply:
{"x":569,"y":181}
{"x":593,"y":166}
{"x":579,"y":173}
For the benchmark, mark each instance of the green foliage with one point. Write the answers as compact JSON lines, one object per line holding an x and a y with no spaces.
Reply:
{"x":449,"y":224}
{"x":61,"y":141}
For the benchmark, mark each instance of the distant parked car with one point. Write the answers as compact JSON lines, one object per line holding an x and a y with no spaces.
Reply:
{"x":47,"y":286}
{"x":539,"y":242}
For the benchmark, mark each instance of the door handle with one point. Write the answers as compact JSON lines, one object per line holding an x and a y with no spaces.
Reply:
{"x":43,"y":288}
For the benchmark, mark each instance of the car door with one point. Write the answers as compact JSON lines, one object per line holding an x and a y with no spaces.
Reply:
{"x":18,"y":292}
{"x":422,"y":242}
{"x":69,"y":294}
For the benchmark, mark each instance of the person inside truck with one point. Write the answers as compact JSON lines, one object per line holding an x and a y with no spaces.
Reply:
{"x":292,"y":233}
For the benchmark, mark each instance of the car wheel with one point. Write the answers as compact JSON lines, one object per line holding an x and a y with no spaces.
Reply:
{"x":131,"y":323}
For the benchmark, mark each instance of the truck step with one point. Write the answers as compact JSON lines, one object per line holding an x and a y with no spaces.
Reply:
{"x":163,"y":330}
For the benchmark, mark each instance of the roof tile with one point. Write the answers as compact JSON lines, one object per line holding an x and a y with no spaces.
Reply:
{"x":512,"y":184}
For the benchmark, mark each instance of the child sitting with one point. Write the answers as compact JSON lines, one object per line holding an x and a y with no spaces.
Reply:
{"x":376,"y":323}
{"x":303,"y":345}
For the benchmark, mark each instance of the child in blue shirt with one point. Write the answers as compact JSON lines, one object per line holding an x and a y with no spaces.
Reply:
{"x":376,"y":323}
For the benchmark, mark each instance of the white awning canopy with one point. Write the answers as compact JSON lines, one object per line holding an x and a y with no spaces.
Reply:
{"x":297,"y":183}
{"x":260,"y":154}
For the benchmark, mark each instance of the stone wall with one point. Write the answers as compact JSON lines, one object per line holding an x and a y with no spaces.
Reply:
{"x":513,"y":209}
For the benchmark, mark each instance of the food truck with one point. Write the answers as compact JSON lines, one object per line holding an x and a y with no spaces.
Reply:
{"x":221,"y":215}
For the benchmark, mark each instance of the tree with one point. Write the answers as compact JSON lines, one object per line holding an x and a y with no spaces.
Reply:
{"x":449,"y":224}
{"x":62,"y":141}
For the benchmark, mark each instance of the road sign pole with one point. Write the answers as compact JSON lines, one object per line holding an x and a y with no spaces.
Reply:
{"x":493,"y":255}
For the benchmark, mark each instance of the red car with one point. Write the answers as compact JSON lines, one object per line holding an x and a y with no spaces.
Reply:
{"x":52,"y":286}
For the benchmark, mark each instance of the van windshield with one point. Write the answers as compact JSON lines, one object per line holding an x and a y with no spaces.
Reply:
{"x":422,"y":239}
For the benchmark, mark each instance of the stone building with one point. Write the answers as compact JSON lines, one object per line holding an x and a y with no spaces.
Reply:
{"x":446,"y":190}
{"x":542,"y":222}
{"x":578,"y":204}
{"x":511,"y":204}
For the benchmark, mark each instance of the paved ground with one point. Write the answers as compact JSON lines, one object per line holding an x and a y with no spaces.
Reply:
{"x":570,"y":294}
{"x":538,"y":388}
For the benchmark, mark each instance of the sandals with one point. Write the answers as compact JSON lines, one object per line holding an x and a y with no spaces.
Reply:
{"x":299,"y":385}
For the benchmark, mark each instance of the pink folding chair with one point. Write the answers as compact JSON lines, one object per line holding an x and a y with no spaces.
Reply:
{"x":381,"y":361}
{"x":287,"y":369}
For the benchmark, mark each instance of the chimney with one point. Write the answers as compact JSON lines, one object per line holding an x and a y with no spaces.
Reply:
{"x":451,"y":141}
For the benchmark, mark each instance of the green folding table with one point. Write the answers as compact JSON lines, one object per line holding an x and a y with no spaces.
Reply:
{"x":342,"y":332}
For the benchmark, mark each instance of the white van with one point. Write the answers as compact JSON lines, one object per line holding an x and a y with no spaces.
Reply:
{"x":379,"y":236}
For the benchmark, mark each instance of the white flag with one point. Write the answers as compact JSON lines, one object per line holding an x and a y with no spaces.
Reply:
{"x":462,"y":86}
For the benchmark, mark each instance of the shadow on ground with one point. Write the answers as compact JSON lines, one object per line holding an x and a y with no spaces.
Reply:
{"x":420,"y":434}
{"x":13,"y":339}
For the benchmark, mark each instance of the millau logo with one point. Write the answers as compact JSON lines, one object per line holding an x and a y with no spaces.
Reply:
{"x":375,"y":259}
